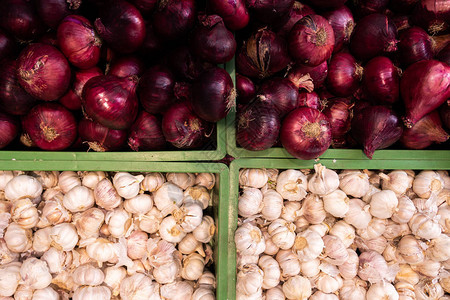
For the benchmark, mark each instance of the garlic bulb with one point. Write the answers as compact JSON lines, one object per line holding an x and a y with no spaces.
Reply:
{"x":255,"y":178}
{"x":42,"y":239}
{"x":358,"y":214}
{"x":282,"y":233}
{"x":48,"y":179}
{"x":310,"y":268}
{"x":92,"y":293}
{"x":168,"y":272}
{"x":313,"y":210}
{"x":297,"y":287}
{"x":404,"y":211}
{"x":152,"y":182}
{"x":289,"y":263}
{"x":424,"y":226}
{"x":377,"y":244}
{"x":57,"y":260}
{"x":383,"y":204}
{"x":88,"y":275}
{"x":375,"y":229}
{"x":183,"y":180}
{"x":205,"y":231}
{"x":17,"y":238}
{"x":428,"y":289}
{"x":137,"y":245}
{"x":372,"y":267}
{"x":444,"y":217}
{"x":394,"y":230}
{"x":353,"y":289}
{"x":23,"y":186}
{"x":323,"y":296}
{"x":54,"y":212}
{"x":119,"y":222}
{"x":427,"y":183}
{"x":170,"y":230}
{"x":444,"y":280}
{"x":150,"y":221}
{"x":6,"y":255}
{"x":328,"y":283}
{"x":249,"y":240}
{"x":193,"y":265}
{"x":189,"y":244}
{"x":249,"y":280}
{"x":64,"y":236}
{"x":368,"y":196}
{"x":407,"y":274}
{"x":91,"y":179}
{"x":243,"y":260}
{"x":199,"y":194}
{"x":160,"y":252}
{"x":177,"y":290}
{"x":5,"y":177}
{"x":106,"y":195}
{"x":67,"y":180}
{"x":101,"y":250}
{"x":35,"y":273}
{"x":45,"y":294}
{"x":324,"y":181}
{"x":189,"y":216}
{"x":78,"y":199}
{"x":292,"y":185}
{"x":411,"y":250}
{"x":354,"y":183}
{"x":290,"y":210}
{"x":438,"y":248}
{"x":272,"y":205}
{"x":271,"y":271}
{"x":335,"y":251}
{"x":88,"y":223}
{"x":208,"y":180}
{"x":397,"y":181}
{"x":203,"y":293}
{"x":168,"y":197}
{"x":382,"y":290}
{"x":405,"y":290}
{"x":275,"y":293}
{"x":428,"y":267}
{"x":344,"y":231}
{"x":207,"y":279}
{"x":271,"y":248}
{"x":127,"y":185}
{"x":308,"y":245}
{"x":250,"y":202}
{"x":336,"y":203}
{"x":113,"y":278}
{"x":349,"y":269}
{"x":9,"y":278}
{"x":24,"y":213}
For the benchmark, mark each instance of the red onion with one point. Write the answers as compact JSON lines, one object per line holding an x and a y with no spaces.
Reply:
{"x":262,"y":55}
{"x":367,"y":7}
{"x":414,"y":45}
{"x":212,"y":41}
{"x":53,"y":11}
{"x":318,"y":74}
{"x":146,"y":133}
{"x":402,"y":22}
{"x":9,"y":128}
{"x":310,"y":100}
{"x":444,"y":112}
{"x":311,"y":40}
{"x":174,"y":18}
{"x":376,"y":127}
{"x":126,"y":66}
{"x":339,"y":112}
{"x":432,"y":15}
{"x":50,"y":126}
{"x":444,"y":54}
{"x":43,"y":71}
{"x":152,"y":45}
{"x":327,"y":4}
{"x":245,"y":88}
{"x":424,"y":86}
{"x":186,"y":66}
{"x":298,"y":11}
{"x":19,"y":18}
{"x":111,"y":101}
{"x":79,"y":42}
{"x":155,"y":89}
{"x":7,"y":45}
{"x":213,"y":94}
{"x":424,"y":133}
{"x":381,"y":81}
{"x":281,"y":93}
{"x":14,"y":99}
{"x":403,"y":6}
{"x":121,"y":26}
{"x":183,"y":128}
{"x":258,"y":126}
{"x":233,"y":12}
{"x":344,"y":75}
{"x":373,"y":35}
{"x":342,"y":22}
{"x":306,"y":133}
{"x":145,"y":6}
{"x":269,"y":11}
{"x":101,"y":138}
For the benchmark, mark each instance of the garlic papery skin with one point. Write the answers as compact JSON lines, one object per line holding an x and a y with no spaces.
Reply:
{"x":439,"y":248}
{"x":6,"y":255}
{"x":152,"y":181}
{"x":208,"y":180}
{"x":428,"y":289}
{"x":177,"y":290}
{"x":5,"y":177}
{"x":127,"y":185}
{"x":354,"y":183}
{"x":92,"y":293}
{"x":444,"y":280}
{"x":193,"y":266}
{"x":160,"y":252}
{"x":426,"y":206}
{"x":189,"y":244}
{"x":336,"y":203}
{"x":313,"y":210}
{"x":205,"y":231}
{"x":407,"y":274}
{"x":168,"y":197}
{"x":198,"y":193}
{"x":91,"y":179}
{"x":249,"y":280}
{"x":282,"y":233}
{"x":45,"y":294}
{"x":101,"y":250}
{"x":255,"y":178}
{"x":308,"y":245}
{"x":42,"y":239}
{"x":324,"y":181}
{"x":353,"y":289}
{"x":88,"y":275}
{"x":78,"y":199}
{"x":310,"y":268}
{"x":292,"y":185}
{"x":54,"y":212}
{"x":64,"y":236}
{"x":428,"y":267}
{"x":250,"y":202}
{"x":88,"y":223}
{"x":167,"y":273}
{"x":394,"y":230}
{"x":272,"y":205}
{"x":426,"y":183}
{"x":183,"y":180}
{"x":249,"y":240}
{"x":24,"y":213}
{"x":271,"y":271}
{"x":275,"y":293}
{"x":137,"y":244}
{"x":327,"y":283}
{"x":23,"y":292}
{"x":207,"y":279}
{"x":17,"y":238}
{"x":189,"y":216}
{"x":397,"y":181}
{"x":35,"y":273}
{"x":383,"y":204}
{"x":9,"y":278}
{"x":372,"y":267}
{"x":382,"y":290}
{"x":349,"y":269}
{"x":444,"y":217}
{"x":57,"y":260}
{"x":106,"y":196}
{"x":334,"y":250}
{"x":150,"y":221}
{"x":119,"y":222}
{"x":271,"y":248}
{"x":297,"y":288}
{"x":289,"y":263}
{"x":368,"y":196}
{"x":323,"y":296}
{"x":377,"y":244}
{"x":290,"y":210}
{"x":424,"y":226}
{"x":375,"y":229}
{"x":203,"y":293}
{"x":358,"y":214}
{"x":405,"y":290}
{"x":48,"y":179}
{"x":67,"y":180}
{"x":23,"y":186}
{"x":404,"y":211}
{"x":344,"y":231}
{"x":411,"y":250}
{"x":113,"y":278}
{"x":170,"y":231}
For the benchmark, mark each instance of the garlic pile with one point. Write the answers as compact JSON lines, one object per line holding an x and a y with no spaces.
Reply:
{"x":349,"y":235}
{"x":98,"y":235}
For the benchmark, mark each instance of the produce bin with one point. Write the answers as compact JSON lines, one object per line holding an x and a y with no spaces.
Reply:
{"x":236,"y":165}
{"x":219,"y":197}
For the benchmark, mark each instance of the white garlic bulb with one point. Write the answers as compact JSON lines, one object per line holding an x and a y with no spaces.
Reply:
{"x":290,"y":210}
{"x":328,"y":283}
{"x":404,"y":211}
{"x":168,"y":197}
{"x":91,"y":179}
{"x":407,"y":274}
{"x":170,"y":230}
{"x":24,"y":213}
{"x":150,"y":221}
{"x":5,"y":177}
{"x":23,"y":186}
{"x":249,"y":280}
{"x":113,"y":278}
{"x":377,"y":244}
{"x":23,"y":292}
{"x":199,"y":194}
{"x":394,"y":230}
{"x":255,"y":178}
{"x":405,"y":290}
{"x":375,"y":229}
{"x":271,"y":271}
{"x":119,"y":222}
{"x":88,"y":223}
{"x":250,"y":202}
{"x":292,"y":185}
{"x":249,"y":240}
{"x":88,"y":275}
{"x":193,"y":266}
{"x":177,"y":290}
{"x":271,"y":248}
{"x":67,"y":180}
{"x":127,"y":185}
{"x":428,"y":289}
{"x":427,"y":183}
{"x":106,"y":195}
{"x":383,"y":204}
{"x":35,"y":273}
{"x":282,"y":233}
{"x":272,"y":205}
{"x":189,"y":216}
{"x":349,"y":269}
{"x":297,"y":287}
{"x":152,"y":181}
{"x":275,"y":293}
{"x":439,"y":248}
{"x":323,"y":296}
{"x":444,"y":217}
{"x":42,"y":239}
{"x":382,"y":290}
{"x":64,"y":236}
{"x":397,"y":181}
{"x":354,"y":183}
{"x":167,"y":273}
{"x":7,"y":255}
{"x":344,"y":231}
{"x":183,"y":180}
{"x":160,"y":252}
{"x":335,"y":251}
{"x":424,"y":226}
{"x":47,"y":293}
{"x":411,"y":250}
{"x":312,"y":209}
{"x":324,"y":181}
{"x":101,"y":250}
{"x":208,"y":180}
{"x":17,"y":238}
{"x":428,"y":267}
{"x":92,"y":293}
{"x":203,"y":293}
{"x":289,"y":263}
{"x":54,"y":212}
{"x":57,"y":260}
{"x":372,"y":267}
{"x":353,"y":289}
{"x":207,"y":279}
{"x":308,"y":245}
{"x":137,"y":244}
{"x":205,"y":231}
{"x":9,"y":278}
{"x":189,"y":244}
{"x":336,"y":203}
{"x":243,"y":260}
{"x":78,"y":199}
{"x":358,"y":214}
{"x":310,"y":268}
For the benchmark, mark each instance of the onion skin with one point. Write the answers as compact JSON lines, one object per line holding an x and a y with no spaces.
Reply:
{"x":9,"y":128}
{"x":298,"y":11}
{"x":146,"y":133}
{"x":43,"y":72}
{"x":344,"y":75}
{"x":424,"y":86}
{"x":425,"y":132}
{"x":281,"y":93}
{"x":310,"y":100}
{"x":342,"y":22}
{"x":173,"y":19}
{"x":245,"y":88}
{"x":7,"y":45}
{"x":19,"y":18}
{"x":53,"y":11}
{"x":233,"y":12}
{"x":339,"y":112}
{"x":127,"y":66}
{"x":101,"y":138}
{"x":258,"y":126}
{"x":311,"y":40}
{"x":270,"y":11}
{"x":414,"y":45}
{"x":373,"y":35}
{"x":50,"y":126}
{"x":376,"y":127}
{"x":318,"y":74}
{"x":432,"y":15}
{"x":306,"y":133}
{"x":186,"y":66}
{"x":381,"y":81}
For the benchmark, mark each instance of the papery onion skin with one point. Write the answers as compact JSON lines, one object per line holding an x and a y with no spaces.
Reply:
{"x":373,"y":35}
{"x":101,"y":138}
{"x":344,"y":75}
{"x":343,"y":23}
{"x":121,"y":26}
{"x":53,"y":11}
{"x":339,"y":112}
{"x":233,"y":12}
{"x":50,"y":126}
{"x":245,"y":88}
{"x":425,"y":132}
{"x":432,"y":15}
{"x":269,"y":11}
{"x":299,"y":10}
{"x":376,"y":127}
{"x":414,"y":45}
{"x":43,"y":72}
{"x":19,"y":18}
{"x":444,"y":54}
{"x":424,"y":86}
{"x":258,"y":126}
{"x":311,"y":40}
{"x":127,"y":66}
{"x":310,"y":100}
{"x":306,"y":133}
{"x":173,"y":19}
{"x":185,"y":65}
{"x":381,"y":81}
{"x":281,"y":93}
{"x":9,"y":128}
{"x":111,"y":101}
{"x":7,"y":45}
{"x":318,"y":73}
{"x":146,"y":133}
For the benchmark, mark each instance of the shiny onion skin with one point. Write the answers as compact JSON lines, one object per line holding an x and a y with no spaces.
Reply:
{"x":425,"y":132}
{"x":53,"y":11}
{"x":7,"y":45}
{"x":213,"y":94}
{"x":432,"y":15}
{"x":381,"y":81}
{"x":376,"y":127}
{"x":298,"y":11}
{"x":344,"y":75}
{"x":270,"y":11}
{"x":111,"y":101}
{"x":258,"y":126}
{"x":318,"y":74}
{"x":342,"y":22}
{"x":233,"y":12}
{"x":414,"y":45}
{"x":262,"y":55}
{"x":19,"y":18}
{"x":339,"y":112}
{"x":101,"y":138}
{"x":424,"y":86}
{"x":281,"y":93}
{"x":14,"y":100}
{"x":212,"y":41}
{"x":306,"y":133}
{"x":173,"y":19}
{"x":121,"y":26}
{"x":245,"y":89}
{"x":311,"y":40}
{"x":9,"y":128}
{"x":50,"y":126}
{"x":79,"y":42}
{"x":146,"y":133}
{"x":185,"y":65}
{"x":373,"y":35}
{"x":127,"y":66}
{"x":43,"y":71}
